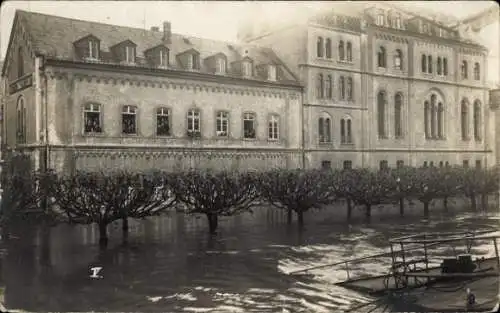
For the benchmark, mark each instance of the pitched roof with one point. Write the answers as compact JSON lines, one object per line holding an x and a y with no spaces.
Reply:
{"x":54,"y":36}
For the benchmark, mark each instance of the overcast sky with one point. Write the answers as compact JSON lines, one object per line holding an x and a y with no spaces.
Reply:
{"x":208,"y":19}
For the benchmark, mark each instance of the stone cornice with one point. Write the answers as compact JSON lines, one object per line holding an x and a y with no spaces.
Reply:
{"x":391,"y":37}
{"x":407,"y":150}
{"x":105,"y":78}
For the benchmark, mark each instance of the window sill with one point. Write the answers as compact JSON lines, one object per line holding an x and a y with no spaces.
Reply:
{"x":326,"y":143}
{"x":163,"y":136}
{"x":277,"y":140}
{"x":347,"y":144}
{"x":345,"y":62}
{"x":93,"y":134}
{"x":129,"y":135}
{"x":384,"y":137}
{"x":249,"y":139}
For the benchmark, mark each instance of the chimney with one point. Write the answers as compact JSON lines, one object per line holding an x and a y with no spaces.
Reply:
{"x":155,"y":29}
{"x":167,"y":32}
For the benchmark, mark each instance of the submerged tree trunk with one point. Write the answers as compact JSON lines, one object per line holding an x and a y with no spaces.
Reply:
{"x":473,"y":202}
{"x":426,"y":208}
{"x":300,"y":217}
{"x":401,"y":206}
{"x":368,"y":212}
{"x":212,"y":223}
{"x":484,"y":202}
{"x":125,"y":225}
{"x":289,"y":216}
{"x":445,"y":203}
{"x":349,"y":209}
{"x":103,"y":234}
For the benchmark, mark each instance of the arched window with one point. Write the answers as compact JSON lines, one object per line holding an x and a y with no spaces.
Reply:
{"x":319,"y":86}
{"x":328,"y":48}
{"x":477,"y":120}
{"x":381,"y":114}
{"x":464,"y":70}
{"x":439,"y":65}
{"x":477,"y":71}
{"x":349,"y":51}
{"x":342,"y":88}
{"x":424,"y":63}
{"x":433,"y":116}
{"x":381,"y":57}
{"x":341,"y":51}
{"x":345,"y":130}
{"x":20,"y":62}
{"x":319,"y":47}
{"x":429,"y":64}
{"x":328,"y":87}
{"x":21,"y":121}
{"x":349,"y":89}
{"x":398,"y":116}
{"x":464,"y":119}
{"x":445,"y":66}
{"x":324,"y":128}
{"x":398,"y":60}
{"x":426,"y":119}
{"x":440,"y":121}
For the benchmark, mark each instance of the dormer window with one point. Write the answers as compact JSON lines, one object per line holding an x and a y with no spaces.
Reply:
{"x":271,"y":72}
{"x":247,"y":68}
{"x":163,"y":57}
{"x":220,"y":65}
{"x":93,"y":49}
{"x":192,"y":61}
{"x":425,"y":28}
{"x":380,"y":19}
{"x":397,"y":22}
{"x":130,"y":54}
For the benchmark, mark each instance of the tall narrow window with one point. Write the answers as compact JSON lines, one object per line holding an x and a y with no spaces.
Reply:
{"x":398,"y":60}
{"x":380,"y":20}
{"x":464,"y":120}
{"x":381,"y":57}
{"x":478,"y":164}
{"x":129,"y":120}
{"x":397,"y":22}
{"x":426,"y":119}
{"x":477,"y":120}
{"x":319,"y":87}
{"x":381,"y":114}
{"x":249,"y":126}
{"x":342,"y":131}
{"x":247,"y":68}
{"x":222,"y":124}
{"x":328,"y":87}
{"x":477,"y":71}
{"x":342,"y":87}
{"x":349,"y":88}
{"x":163,"y":122}
{"x":130,"y":54}
{"x":445,"y":66}
{"x":384,"y":165}
{"x":429,"y":64}
{"x":273,"y":131}
{"x":20,"y":62}
{"x":328,"y":48}
{"x":324,"y":129}
{"x":194,"y":123}
{"x":93,"y":49}
{"x":349,"y":131}
{"x":345,"y":131}
{"x":21,"y":121}
{"x":464,"y":70}
{"x":319,"y":47}
{"x":424,"y":63}
{"x":398,"y":116}
{"x":440,"y":121}
{"x":439,"y":66}
{"x":195,"y":61}
{"x":221,"y":66}
{"x":163,"y":57}
{"x":400,"y":163}
{"x":341,"y":51}
{"x":271,"y":75}
{"x":349,"y":51}
{"x":92,"y":118}
{"x":433,"y":116}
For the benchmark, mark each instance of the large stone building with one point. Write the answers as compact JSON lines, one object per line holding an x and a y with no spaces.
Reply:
{"x":85,"y":95}
{"x":384,"y":87}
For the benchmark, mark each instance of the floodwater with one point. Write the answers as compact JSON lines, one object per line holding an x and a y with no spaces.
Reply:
{"x":170,"y":264}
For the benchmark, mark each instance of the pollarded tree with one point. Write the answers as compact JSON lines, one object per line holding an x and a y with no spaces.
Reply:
{"x":478,"y":182}
{"x":102,"y":198}
{"x":367,"y":187}
{"x":403,"y":178}
{"x":297,"y":190}
{"x":215,"y":194}
{"x":427,"y":185}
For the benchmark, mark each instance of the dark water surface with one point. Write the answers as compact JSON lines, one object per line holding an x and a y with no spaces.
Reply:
{"x":170,"y":264}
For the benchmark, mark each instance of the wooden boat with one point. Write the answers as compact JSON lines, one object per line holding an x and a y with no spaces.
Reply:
{"x":412,"y":284}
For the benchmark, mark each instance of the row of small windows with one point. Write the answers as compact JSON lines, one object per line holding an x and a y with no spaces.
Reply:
{"x":382,"y":58}
{"x":93,"y":122}
{"x":325,"y":130}
{"x":464,"y":69}
{"x":441,"y":65}
{"x":324,"y":49}
{"x":324,"y":87}
{"x":433,"y":118}
{"x":384,"y":165}
{"x":382,"y":112}
{"x":464,"y":120}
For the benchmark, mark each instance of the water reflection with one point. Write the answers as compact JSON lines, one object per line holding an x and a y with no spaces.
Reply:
{"x":169,"y":264}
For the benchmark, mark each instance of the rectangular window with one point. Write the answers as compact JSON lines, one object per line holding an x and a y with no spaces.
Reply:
{"x":193,"y":123}
{"x":465,"y":163}
{"x":129,"y":122}
{"x":92,"y":118}
{"x":384,"y":165}
{"x":222,"y":124}
{"x":192,"y":61}
{"x":425,"y":163}
{"x":380,"y":20}
{"x":273,"y":127}
{"x":130,"y":54}
{"x":163,"y":122}
{"x":478,"y":164}
{"x":221,"y":66}
{"x":249,"y":126}
{"x":272,"y":72}
{"x":163,"y":55}
{"x":347,"y":165}
{"x":326,"y":165}
{"x":400,"y":163}
{"x":93,"y":49}
{"x":247,"y":68}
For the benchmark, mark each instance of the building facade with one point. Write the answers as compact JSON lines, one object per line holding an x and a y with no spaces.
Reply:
{"x":84,"y":95}
{"x":383,"y":87}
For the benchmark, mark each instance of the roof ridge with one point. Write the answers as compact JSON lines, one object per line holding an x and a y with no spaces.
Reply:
{"x":235,"y":43}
